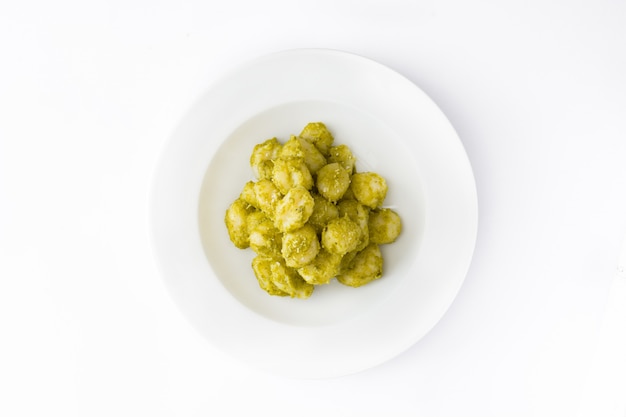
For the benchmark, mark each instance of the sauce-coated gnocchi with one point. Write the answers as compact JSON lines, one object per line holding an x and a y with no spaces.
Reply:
{"x":310,"y":216}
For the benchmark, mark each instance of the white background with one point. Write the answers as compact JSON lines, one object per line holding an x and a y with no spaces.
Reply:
{"x":89,"y":93}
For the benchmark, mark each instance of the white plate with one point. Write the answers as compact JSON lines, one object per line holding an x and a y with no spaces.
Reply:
{"x":395,"y":130}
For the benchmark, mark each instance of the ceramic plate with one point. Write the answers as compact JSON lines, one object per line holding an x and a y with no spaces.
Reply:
{"x":394,"y":129}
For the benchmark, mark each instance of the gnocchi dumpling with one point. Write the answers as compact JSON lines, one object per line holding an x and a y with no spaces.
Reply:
{"x":248,"y":194}
{"x":236,"y":220}
{"x":332,"y":181}
{"x":291,"y":172}
{"x":364,"y":268}
{"x":318,"y":135}
{"x":294,"y":209}
{"x":369,"y":188}
{"x":342,"y":155}
{"x":287,"y":280}
{"x":323,"y":269}
{"x":323,"y":212}
{"x":341,"y":236}
{"x":263,"y":156}
{"x":297,"y":147}
{"x":384,"y":226}
{"x":265,"y":239}
{"x":262,"y":267}
{"x":267,"y":196}
{"x":300,"y":247}
{"x":359,"y":214}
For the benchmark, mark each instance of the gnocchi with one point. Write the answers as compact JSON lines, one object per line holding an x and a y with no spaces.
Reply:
{"x":369,"y":188}
{"x":359,"y":214}
{"x":288,"y":173}
{"x":319,"y":136}
{"x":332,"y":181}
{"x":342,"y":155}
{"x":265,"y":239}
{"x":341,"y":236}
{"x":310,"y":217}
{"x":364,"y":268}
{"x":294,"y":209}
{"x":384,"y":226}
{"x":323,"y":212}
{"x":322,"y":269}
{"x":300,"y":247}
{"x":297,"y":147}
{"x":263,"y":156}
{"x":237,"y":223}
{"x":262,"y":268}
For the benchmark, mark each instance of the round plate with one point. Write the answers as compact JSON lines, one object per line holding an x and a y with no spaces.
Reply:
{"x":393,"y":129}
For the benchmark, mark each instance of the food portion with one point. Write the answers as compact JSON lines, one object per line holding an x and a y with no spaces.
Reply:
{"x":310,"y":217}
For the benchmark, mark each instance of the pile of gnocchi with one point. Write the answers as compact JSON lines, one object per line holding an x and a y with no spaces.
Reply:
{"x":310,"y":216}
